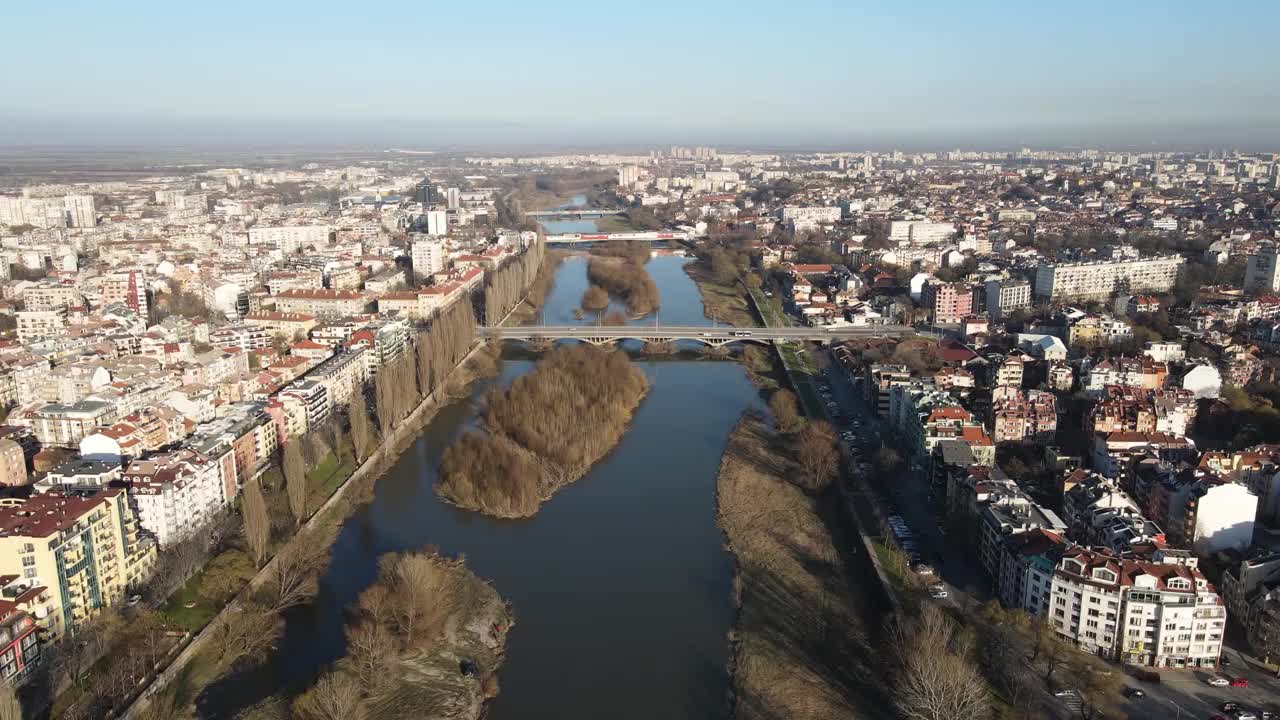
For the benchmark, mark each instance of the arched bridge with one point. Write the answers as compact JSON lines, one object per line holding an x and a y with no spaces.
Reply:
{"x":713,"y":336}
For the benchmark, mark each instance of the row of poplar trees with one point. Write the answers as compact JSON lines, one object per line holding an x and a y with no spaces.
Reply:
{"x":507,"y":287}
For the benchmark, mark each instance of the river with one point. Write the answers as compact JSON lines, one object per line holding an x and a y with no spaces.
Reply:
{"x":620,"y":584}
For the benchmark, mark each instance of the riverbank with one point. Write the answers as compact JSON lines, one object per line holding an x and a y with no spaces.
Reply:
{"x":799,"y":647}
{"x":543,"y":432}
{"x":724,"y":303}
{"x":527,"y":310}
{"x":202,"y":663}
{"x":426,"y":640}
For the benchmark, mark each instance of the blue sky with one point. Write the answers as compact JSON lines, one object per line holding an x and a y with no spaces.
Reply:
{"x":794,"y":73}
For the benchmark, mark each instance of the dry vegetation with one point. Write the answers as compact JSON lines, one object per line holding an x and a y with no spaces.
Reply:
{"x":543,"y":432}
{"x":800,"y":649}
{"x":424,"y":641}
{"x":537,"y":294}
{"x":506,"y":287}
{"x":618,"y":268}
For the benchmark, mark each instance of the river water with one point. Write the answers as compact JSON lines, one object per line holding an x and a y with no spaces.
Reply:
{"x":620,"y":584}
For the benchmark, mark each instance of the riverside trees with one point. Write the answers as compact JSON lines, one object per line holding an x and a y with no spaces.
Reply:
{"x":619,"y":270}
{"x":508,"y":285}
{"x":543,"y":432}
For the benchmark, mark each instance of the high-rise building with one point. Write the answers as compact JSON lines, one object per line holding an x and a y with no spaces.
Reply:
{"x":80,"y":211}
{"x":1262,"y":273}
{"x":428,"y":257}
{"x":437,"y":222}
{"x":83,"y":546}
{"x":1005,"y":296}
{"x":1098,"y":280}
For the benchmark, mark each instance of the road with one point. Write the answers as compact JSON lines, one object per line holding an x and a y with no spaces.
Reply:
{"x":699,"y":333}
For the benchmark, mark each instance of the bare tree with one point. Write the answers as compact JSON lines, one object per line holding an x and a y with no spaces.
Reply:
{"x":294,"y":576}
{"x":295,"y":479}
{"x":10,"y":706}
{"x":257,"y":525}
{"x":935,"y":679}
{"x":785,"y":410}
{"x":371,"y":652}
{"x":361,"y":427}
{"x":246,"y":633}
{"x":815,"y":449}
{"x":335,"y":696}
{"x":417,"y":583}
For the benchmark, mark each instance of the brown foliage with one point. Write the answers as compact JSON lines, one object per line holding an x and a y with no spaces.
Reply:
{"x":336,"y":695}
{"x":626,"y":280}
{"x":506,"y":287}
{"x":595,"y":298}
{"x":544,"y":431}
{"x":815,"y":449}
{"x":786,"y":410}
{"x":257,"y":525}
{"x":361,"y":427}
{"x":295,"y":478}
{"x":936,"y":679}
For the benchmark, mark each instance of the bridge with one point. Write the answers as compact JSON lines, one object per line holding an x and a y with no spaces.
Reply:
{"x":712,"y":336}
{"x":575,"y":238}
{"x":573,"y":214}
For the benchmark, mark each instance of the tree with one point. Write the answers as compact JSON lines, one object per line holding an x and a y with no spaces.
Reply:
{"x":786,"y":410}
{"x":335,"y":696}
{"x":815,"y":449}
{"x":246,"y":633}
{"x":293,"y":578}
{"x":595,"y":298}
{"x":935,"y":679}
{"x":257,"y":525}
{"x":361,"y":426}
{"x":371,"y":651}
{"x":10,"y":706}
{"x":295,"y":479}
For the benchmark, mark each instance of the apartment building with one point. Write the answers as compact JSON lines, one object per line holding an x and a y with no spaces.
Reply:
{"x":65,"y":425}
{"x":429,"y":256}
{"x":306,"y":405}
{"x":1006,"y":296}
{"x":82,"y":545}
{"x":1262,"y":272}
{"x":322,"y":303}
{"x":341,"y":375}
{"x":1133,"y":372}
{"x":51,"y":296}
{"x":286,"y":324}
{"x":1099,"y":280}
{"x":177,"y":493}
{"x":918,"y":232}
{"x":948,"y":303}
{"x":13,"y":464}
{"x":289,"y":239}
{"x":1162,"y":614}
{"x":35,"y":325}
{"x":244,"y":336}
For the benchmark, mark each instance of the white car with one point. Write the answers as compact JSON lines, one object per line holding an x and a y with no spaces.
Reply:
{"x":937,"y":592}
{"x":1218,"y":681}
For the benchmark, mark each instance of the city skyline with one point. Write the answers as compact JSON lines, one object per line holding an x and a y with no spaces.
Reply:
{"x":818,"y":75}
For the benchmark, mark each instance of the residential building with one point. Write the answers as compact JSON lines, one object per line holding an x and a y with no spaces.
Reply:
{"x":1262,"y":272}
{"x":176,"y":494}
{"x":1099,"y":280}
{"x":948,"y":303}
{"x":429,"y":256}
{"x":322,"y":303}
{"x":83,"y":546}
{"x":1006,"y":296}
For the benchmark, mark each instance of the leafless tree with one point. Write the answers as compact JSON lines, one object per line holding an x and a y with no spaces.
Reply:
{"x":371,"y":652}
{"x":295,"y":479}
{"x":935,"y":679}
{"x":257,"y":525}
{"x":246,"y":633}
{"x":815,"y":449}
{"x":361,"y":427}
{"x":294,"y":576}
{"x":335,"y":696}
{"x":10,"y":706}
{"x":785,"y":410}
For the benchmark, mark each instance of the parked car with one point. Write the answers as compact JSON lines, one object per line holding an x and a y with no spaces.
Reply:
{"x":1240,"y":682}
{"x":1229,"y":706}
{"x":924,"y":569}
{"x":937,"y":592}
{"x":1218,"y":681}
{"x":1133,"y":692}
{"x":1245,"y":715}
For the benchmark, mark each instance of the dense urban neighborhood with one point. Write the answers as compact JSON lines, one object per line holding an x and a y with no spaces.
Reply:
{"x":1043,"y":384}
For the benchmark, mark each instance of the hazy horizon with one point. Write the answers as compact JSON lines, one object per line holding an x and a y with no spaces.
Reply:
{"x":930,"y":75}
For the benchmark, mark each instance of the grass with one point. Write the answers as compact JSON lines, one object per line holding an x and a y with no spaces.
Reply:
{"x":191,"y":618}
{"x":772,"y":314}
{"x":801,"y":649}
{"x":726,"y":303}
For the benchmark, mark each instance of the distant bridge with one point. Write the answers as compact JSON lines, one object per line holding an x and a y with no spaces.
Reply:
{"x":713,"y":336}
{"x":573,"y":214}
{"x":575,"y":238}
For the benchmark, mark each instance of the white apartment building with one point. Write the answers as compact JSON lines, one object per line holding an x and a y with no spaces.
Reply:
{"x":811,"y":215}
{"x":176,"y":493}
{"x":289,"y":239}
{"x":341,"y":375}
{"x":920,"y":232}
{"x":428,"y":257}
{"x":80,"y":211}
{"x":437,"y":223}
{"x":1101,"y":279}
{"x":1005,"y":296}
{"x":1262,"y":273}
{"x":628,"y":176}
{"x":39,"y":324}
{"x":1163,"y":614}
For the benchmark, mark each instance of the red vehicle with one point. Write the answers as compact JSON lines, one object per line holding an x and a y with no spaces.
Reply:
{"x":1240,"y":682}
